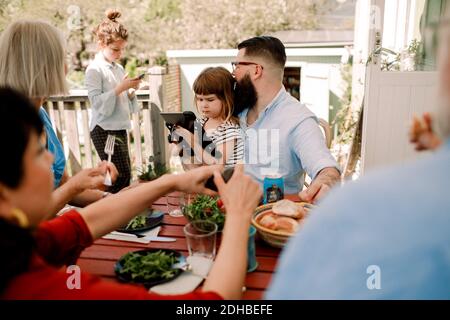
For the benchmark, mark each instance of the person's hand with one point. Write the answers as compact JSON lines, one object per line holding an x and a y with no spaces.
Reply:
{"x":88,"y":179}
{"x":188,"y":137}
{"x":241,"y":194}
{"x":421,"y":133}
{"x":320,"y":185}
{"x":109,"y":166}
{"x":127,"y":83}
{"x":194,"y":180}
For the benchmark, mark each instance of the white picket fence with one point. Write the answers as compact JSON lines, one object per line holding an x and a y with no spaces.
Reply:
{"x":70,"y":117}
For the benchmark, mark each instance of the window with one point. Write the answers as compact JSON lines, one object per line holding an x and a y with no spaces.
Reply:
{"x":407,"y":31}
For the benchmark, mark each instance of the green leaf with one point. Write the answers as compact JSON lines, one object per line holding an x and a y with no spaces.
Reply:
{"x":205,"y":207}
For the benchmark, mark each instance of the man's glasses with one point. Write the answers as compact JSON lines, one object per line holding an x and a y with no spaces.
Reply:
{"x":234,"y":64}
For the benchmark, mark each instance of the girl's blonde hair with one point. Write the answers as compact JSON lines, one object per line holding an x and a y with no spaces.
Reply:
{"x":32,"y":59}
{"x":218,"y":81}
{"x":110,"y":30}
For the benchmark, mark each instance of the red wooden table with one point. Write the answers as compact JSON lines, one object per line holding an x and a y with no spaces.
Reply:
{"x":99,"y":259}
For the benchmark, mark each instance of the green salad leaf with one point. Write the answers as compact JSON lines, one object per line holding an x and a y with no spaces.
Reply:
{"x":205,"y":208}
{"x":149,"y":266}
{"x":137,"y":222}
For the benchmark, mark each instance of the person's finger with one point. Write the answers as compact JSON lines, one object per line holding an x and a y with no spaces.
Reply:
{"x":254,"y":188}
{"x":238,"y":172}
{"x":308,"y":194}
{"x":322,"y":191}
{"x":427,"y":120}
{"x":96,"y":182}
{"x":111,"y":166}
{"x":415,"y":129}
{"x":209,"y":192}
{"x":219,"y":182}
{"x":208,"y":171}
{"x":97,"y":171}
{"x":102,"y":165}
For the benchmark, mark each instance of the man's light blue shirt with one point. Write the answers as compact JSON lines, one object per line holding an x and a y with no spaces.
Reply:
{"x":286,"y":140}
{"x":109,"y":111}
{"x":386,"y":236}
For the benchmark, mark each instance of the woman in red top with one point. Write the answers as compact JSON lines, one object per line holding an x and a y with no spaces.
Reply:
{"x":34,"y":250}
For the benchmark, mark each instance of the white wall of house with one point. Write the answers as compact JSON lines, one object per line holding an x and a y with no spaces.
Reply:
{"x":191,"y":63}
{"x":319,"y":68}
{"x":392,"y":97}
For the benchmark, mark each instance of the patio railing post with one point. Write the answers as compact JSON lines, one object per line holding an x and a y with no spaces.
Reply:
{"x":88,"y":147}
{"x":156,"y":106}
{"x":73,"y":137}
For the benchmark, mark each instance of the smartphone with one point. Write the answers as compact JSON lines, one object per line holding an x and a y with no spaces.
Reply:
{"x":226,"y":175}
{"x":141,"y":76}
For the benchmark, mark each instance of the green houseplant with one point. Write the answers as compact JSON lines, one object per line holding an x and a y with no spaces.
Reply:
{"x":152,"y":171}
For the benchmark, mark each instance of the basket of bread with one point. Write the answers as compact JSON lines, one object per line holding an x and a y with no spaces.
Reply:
{"x":276,"y":222}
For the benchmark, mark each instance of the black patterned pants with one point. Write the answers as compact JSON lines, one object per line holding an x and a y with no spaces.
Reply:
{"x":120,"y":158}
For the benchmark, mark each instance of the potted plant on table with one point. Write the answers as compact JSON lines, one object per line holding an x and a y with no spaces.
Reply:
{"x":152,"y":171}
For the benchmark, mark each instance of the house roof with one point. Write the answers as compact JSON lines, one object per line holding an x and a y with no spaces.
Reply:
{"x":316,"y":38}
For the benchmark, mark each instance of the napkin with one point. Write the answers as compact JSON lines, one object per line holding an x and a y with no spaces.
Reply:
{"x":187,"y":281}
{"x":152,"y":233}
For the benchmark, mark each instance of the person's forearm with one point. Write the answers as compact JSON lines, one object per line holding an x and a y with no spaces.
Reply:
{"x":86,"y":197}
{"x":119,"y":89}
{"x":329,"y":176}
{"x":116,"y":210}
{"x":62,"y":196}
{"x":228,"y":273}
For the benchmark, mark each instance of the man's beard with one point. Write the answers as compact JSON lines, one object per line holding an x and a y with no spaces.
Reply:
{"x":245,"y":95}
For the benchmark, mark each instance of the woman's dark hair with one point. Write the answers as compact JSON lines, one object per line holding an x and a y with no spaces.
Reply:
{"x":19,"y":119}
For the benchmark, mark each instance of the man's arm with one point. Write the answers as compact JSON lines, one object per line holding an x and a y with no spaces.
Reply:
{"x":323,"y":182}
{"x":316,"y":159}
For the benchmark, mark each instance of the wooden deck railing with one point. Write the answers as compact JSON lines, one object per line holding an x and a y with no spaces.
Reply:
{"x":70,"y":116}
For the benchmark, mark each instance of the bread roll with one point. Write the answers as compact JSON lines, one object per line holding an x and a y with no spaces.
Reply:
{"x":268,"y":221}
{"x":289,"y":208}
{"x":287,"y":224}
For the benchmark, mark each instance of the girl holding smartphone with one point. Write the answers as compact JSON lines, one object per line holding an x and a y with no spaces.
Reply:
{"x":110,"y":96}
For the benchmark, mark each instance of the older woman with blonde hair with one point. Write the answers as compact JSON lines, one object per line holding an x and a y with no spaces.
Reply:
{"x":32,"y":61}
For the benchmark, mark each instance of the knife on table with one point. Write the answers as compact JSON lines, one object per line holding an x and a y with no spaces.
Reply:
{"x":151,"y":238}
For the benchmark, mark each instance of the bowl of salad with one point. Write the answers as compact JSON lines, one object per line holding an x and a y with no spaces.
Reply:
{"x":205,"y":207}
{"x":149,"y":267}
{"x":143,"y":222}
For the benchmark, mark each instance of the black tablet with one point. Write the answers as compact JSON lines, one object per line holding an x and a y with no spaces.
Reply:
{"x":173,"y":117}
